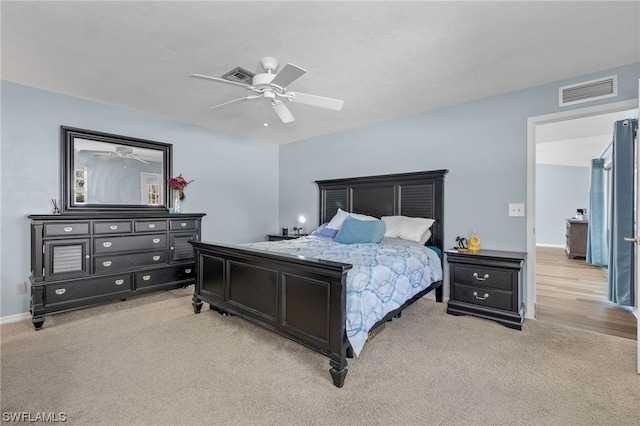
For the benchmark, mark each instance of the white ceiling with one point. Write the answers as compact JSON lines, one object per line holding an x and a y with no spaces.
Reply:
{"x":385,"y":59}
{"x":576,"y":142}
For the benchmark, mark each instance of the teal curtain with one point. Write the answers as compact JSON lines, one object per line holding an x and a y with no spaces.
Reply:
{"x":597,"y":249}
{"x":621,"y":253}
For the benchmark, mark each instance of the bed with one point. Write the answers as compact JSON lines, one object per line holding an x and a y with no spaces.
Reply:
{"x":281,"y":287}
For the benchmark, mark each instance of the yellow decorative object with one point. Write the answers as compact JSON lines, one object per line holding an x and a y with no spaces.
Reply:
{"x":474,"y":243}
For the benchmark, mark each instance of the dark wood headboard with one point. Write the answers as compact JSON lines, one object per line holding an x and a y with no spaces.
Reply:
{"x":417,"y":194}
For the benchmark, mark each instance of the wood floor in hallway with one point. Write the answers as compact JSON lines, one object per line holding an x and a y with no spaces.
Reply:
{"x":574,"y":293}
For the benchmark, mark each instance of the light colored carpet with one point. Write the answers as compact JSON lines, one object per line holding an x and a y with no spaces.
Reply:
{"x":151,"y":361}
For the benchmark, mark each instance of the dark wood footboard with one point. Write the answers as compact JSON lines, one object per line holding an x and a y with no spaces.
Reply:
{"x":300,"y":298}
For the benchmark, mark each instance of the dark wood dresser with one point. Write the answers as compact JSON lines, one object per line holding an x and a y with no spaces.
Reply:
{"x":83,"y":259}
{"x":576,"y":234}
{"x":487,"y":284}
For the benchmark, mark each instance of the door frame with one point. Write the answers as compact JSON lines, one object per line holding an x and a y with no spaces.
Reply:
{"x":532,"y":123}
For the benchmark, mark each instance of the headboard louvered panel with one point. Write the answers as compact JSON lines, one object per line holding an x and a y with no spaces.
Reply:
{"x":419,"y":194}
{"x":417,"y":200}
{"x":332,"y":199}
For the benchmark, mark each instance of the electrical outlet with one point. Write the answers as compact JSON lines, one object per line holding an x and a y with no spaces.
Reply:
{"x":21,"y":288}
{"x":516,"y":209}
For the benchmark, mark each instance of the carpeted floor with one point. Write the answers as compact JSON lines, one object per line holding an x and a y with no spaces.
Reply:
{"x":151,"y":361}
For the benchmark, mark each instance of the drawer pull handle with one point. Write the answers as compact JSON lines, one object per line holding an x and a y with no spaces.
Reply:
{"x":86,"y":256}
{"x":156,"y":240}
{"x":113,"y":227}
{"x":146,"y":277}
{"x":61,"y":291}
{"x":107,"y":244}
{"x":119,"y":282}
{"x":107,"y":263}
{"x":156,"y":258}
{"x":187,"y":271}
{"x":152,"y":225}
{"x":68,"y":229}
{"x":475,"y":275}
{"x":486,"y":295}
{"x":183,"y":224}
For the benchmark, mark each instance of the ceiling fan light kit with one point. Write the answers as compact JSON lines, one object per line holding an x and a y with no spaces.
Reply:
{"x":272,"y":86}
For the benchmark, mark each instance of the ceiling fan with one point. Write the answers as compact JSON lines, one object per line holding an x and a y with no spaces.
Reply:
{"x":120,"y":152}
{"x":272,"y":86}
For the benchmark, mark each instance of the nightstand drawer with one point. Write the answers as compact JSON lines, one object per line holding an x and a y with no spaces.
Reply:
{"x":483,"y":296}
{"x":482,"y":276}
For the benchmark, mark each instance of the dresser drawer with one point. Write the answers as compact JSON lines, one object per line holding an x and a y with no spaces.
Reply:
{"x":105,"y":264}
{"x":74,"y":291}
{"x":112,"y":227}
{"x":482,"y":276}
{"x":114,"y":244}
{"x":150,"y":225}
{"x":179,"y":225}
{"x":58,"y":229}
{"x":483,"y":296}
{"x":164,"y":276}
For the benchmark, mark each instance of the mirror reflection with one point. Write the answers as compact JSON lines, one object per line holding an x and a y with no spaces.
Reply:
{"x":110,"y":173}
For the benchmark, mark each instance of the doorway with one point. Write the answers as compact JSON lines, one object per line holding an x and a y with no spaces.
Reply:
{"x":560,"y":289}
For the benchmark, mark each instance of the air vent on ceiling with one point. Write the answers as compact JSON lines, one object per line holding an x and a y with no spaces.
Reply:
{"x":589,"y":91}
{"x":239,"y":75}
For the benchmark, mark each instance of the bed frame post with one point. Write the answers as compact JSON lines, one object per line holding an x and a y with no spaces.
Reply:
{"x":338,"y":371}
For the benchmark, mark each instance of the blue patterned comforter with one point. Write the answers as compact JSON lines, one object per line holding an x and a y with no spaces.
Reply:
{"x":383,"y":277}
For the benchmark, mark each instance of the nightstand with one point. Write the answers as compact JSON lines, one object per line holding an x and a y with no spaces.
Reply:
{"x":487,"y":284}
{"x":279,"y":237}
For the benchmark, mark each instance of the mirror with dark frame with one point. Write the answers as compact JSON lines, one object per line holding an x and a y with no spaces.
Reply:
{"x":106,"y":172}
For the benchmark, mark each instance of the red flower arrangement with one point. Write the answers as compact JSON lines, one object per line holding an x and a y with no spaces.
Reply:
{"x":179,"y":184}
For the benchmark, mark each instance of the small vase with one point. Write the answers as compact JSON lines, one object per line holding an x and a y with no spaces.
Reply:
{"x":177,"y":202}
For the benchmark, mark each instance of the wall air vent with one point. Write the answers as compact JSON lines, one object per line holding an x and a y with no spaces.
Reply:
{"x":588,"y":91}
{"x":239,"y":75}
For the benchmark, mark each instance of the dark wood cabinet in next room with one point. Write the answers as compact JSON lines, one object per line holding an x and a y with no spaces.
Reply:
{"x":576,"y":234}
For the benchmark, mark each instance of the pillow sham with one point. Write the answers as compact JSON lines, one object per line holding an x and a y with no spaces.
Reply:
{"x":337,"y":220}
{"x":408,"y":228}
{"x":355,"y":231}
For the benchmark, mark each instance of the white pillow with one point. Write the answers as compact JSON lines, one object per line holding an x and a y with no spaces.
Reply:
{"x":425,"y":237}
{"x":408,"y":228}
{"x":337,"y":220}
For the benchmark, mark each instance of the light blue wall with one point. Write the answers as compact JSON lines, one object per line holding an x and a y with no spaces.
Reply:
{"x":236,"y":180}
{"x":483,"y":144}
{"x":560,"y":190}
{"x":244,"y":192}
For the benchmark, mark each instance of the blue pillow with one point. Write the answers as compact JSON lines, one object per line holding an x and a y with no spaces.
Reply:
{"x":323,"y":231}
{"x":356,"y":231}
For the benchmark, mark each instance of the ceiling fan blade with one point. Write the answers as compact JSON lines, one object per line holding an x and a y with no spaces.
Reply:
{"x":221,"y":80}
{"x":287,"y":75}
{"x":319,"y":101}
{"x":140,"y":160}
{"x":283,"y":112}
{"x":230,"y":102}
{"x":95,"y":152}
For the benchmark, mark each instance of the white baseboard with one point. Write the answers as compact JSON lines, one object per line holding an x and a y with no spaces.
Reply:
{"x":549,"y":245}
{"x":15,"y":318}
